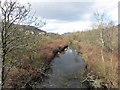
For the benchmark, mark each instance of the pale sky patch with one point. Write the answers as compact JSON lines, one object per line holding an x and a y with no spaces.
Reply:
{"x":64,"y":16}
{"x":64,"y":27}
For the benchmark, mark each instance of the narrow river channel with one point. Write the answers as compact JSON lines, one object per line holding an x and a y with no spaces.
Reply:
{"x":66,"y":71}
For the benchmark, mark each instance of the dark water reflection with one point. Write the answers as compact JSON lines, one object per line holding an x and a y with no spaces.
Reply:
{"x":65,"y":71}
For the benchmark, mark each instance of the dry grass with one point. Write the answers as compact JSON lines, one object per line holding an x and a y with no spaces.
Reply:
{"x":91,"y":54}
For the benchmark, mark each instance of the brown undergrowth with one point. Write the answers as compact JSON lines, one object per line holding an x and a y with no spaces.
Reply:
{"x":92,"y":56}
{"x":32,"y":65}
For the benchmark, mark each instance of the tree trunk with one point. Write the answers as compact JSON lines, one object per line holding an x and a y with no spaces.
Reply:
{"x":3,"y":70}
{"x":102,"y":55}
{"x":3,"y":51}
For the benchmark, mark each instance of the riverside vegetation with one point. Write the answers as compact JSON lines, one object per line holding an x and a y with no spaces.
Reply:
{"x":32,"y":62}
{"x":87,"y":44}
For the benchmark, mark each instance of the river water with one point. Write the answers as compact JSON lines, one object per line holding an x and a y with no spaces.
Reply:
{"x":66,"y":71}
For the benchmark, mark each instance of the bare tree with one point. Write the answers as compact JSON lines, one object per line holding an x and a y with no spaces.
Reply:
{"x":101,"y":24}
{"x":12,"y":14}
{"x":108,"y":41}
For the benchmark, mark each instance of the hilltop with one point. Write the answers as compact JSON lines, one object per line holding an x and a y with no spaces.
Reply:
{"x":32,"y":29}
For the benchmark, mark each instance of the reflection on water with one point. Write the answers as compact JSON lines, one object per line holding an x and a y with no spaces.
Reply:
{"x":65,"y":71}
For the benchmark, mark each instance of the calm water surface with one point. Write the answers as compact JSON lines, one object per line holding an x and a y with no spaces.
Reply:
{"x":66,"y":71}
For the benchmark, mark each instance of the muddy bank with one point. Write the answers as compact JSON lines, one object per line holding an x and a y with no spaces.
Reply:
{"x":28,"y":72}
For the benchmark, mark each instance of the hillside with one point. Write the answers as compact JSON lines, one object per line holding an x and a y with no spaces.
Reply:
{"x":32,"y":29}
{"x":89,"y":45}
{"x":92,"y":36}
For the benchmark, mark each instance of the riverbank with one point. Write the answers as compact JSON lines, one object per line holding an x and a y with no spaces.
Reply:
{"x":100,"y":75}
{"x":33,"y":64}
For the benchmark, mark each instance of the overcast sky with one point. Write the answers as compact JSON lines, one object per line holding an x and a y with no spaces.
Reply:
{"x":71,"y":15}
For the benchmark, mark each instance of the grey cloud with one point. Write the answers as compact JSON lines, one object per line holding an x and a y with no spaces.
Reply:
{"x":67,"y":11}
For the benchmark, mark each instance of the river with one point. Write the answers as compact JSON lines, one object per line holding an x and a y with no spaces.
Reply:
{"x":66,"y":71}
